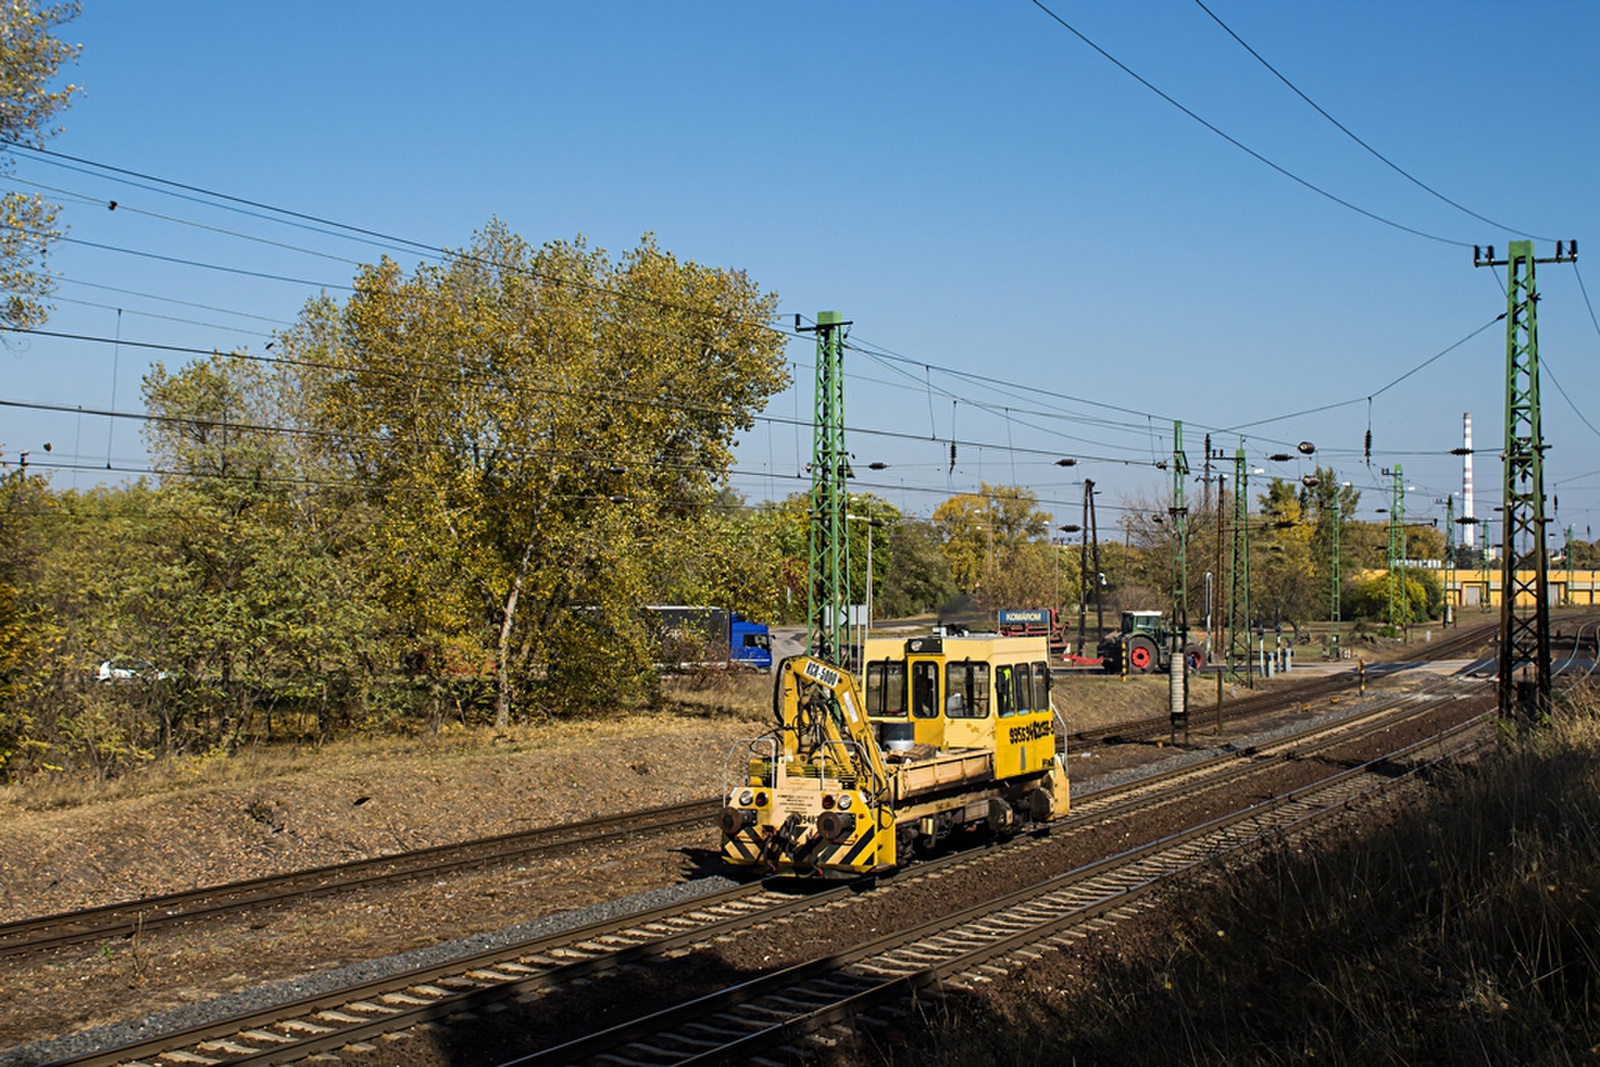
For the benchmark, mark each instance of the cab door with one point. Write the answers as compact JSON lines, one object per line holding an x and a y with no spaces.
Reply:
{"x":968,"y":722}
{"x":927,"y":702}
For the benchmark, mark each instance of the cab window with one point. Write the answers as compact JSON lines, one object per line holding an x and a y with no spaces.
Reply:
{"x":1023,"y":683}
{"x":966,"y":686}
{"x":1004,"y":695}
{"x":925,"y":690}
{"x":1041,"y":687}
{"x":886,"y":688}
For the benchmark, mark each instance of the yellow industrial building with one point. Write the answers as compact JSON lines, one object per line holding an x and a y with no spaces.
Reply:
{"x":1469,"y":589}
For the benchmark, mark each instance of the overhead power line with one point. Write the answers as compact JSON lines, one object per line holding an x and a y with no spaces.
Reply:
{"x":453,"y":375}
{"x":128,"y":209}
{"x":173,"y":300}
{"x":1584,"y":289}
{"x":590,"y":395}
{"x":1544,"y":363}
{"x":1240,"y":145}
{"x":855,"y":343}
{"x":197,"y":263}
{"x":310,"y":222}
{"x":333,"y":227}
{"x":288,"y":216}
{"x":1376,"y":392}
{"x":275,"y":213}
{"x":155,"y":315}
{"x":1391,"y":164}
{"x":242,"y":426}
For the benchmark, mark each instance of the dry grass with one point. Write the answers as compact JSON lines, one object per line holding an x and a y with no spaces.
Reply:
{"x":1090,"y":700}
{"x":712,"y":695}
{"x":739,"y":694}
{"x":1464,"y":928}
{"x":261,"y":763}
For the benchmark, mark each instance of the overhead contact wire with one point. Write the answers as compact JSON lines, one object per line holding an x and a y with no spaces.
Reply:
{"x":389,"y":239}
{"x":1241,"y":146}
{"x":1385,"y":160}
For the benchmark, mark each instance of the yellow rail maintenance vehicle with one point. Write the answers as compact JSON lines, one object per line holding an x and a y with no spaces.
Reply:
{"x":949,"y":733}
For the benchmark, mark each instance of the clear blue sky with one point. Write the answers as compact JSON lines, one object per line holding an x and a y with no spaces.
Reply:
{"x":972,"y":185}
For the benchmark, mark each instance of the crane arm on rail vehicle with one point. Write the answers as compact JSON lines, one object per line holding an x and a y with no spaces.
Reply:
{"x":821,"y":714}
{"x":817,"y":794}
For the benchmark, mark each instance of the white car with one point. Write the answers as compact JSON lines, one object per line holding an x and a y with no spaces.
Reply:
{"x":122,"y":669}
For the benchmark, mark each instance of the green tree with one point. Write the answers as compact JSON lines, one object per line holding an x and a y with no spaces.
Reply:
{"x":991,"y":539}
{"x":86,"y":562}
{"x":30,"y":58}
{"x":1138,"y":568}
{"x":1585,"y":554}
{"x":1366,"y":544}
{"x":785,"y":528}
{"x":23,"y":503}
{"x":527,"y":422}
{"x":722,"y":554}
{"x":916,"y":578}
{"x":1320,"y":504}
{"x":1283,"y":571}
{"x":266,"y":596}
{"x":1421,"y":597}
{"x":1030,"y":576}
{"x":1424,"y":541}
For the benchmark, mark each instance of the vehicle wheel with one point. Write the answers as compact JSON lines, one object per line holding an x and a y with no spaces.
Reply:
{"x":1141,"y":655}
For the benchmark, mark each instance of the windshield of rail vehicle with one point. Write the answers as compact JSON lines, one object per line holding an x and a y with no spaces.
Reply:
{"x":886,"y":688}
{"x":967,"y":686}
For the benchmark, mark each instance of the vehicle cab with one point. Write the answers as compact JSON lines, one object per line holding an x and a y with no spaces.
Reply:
{"x":974,"y":691}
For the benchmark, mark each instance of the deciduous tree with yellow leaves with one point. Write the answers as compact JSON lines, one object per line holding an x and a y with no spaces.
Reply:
{"x":31,"y":56}
{"x":529,"y":421}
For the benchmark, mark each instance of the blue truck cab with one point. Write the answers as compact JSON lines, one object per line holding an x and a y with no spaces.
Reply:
{"x":750,"y":643}
{"x":695,"y":636}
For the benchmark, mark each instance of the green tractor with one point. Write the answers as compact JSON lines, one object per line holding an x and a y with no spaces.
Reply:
{"x":1143,"y":641}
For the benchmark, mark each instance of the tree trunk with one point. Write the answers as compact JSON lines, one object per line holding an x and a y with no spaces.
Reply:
{"x":502,"y":686}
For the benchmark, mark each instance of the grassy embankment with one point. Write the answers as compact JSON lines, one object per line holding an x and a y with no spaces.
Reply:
{"x":716,"y":697}
{"x":1461,"y":926}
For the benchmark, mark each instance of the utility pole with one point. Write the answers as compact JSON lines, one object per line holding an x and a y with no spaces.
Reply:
{"x":1449,"y":556}
{"x":827,"y":596}
{"x":1524,"y":601}
{"x":1572,"y":575}
{"x":1178,"y":676}
{"x":1215,"y":614}
{"x":1218,"y":640}
{"x":1089,"y":568}
{"x":1397,"y":544}
{"x":1239,"y":570}
{"x":1336,"y":580}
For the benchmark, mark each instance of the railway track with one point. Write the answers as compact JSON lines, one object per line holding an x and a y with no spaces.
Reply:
{"x":122,"y":919}
{"x":1279,"y":697}
{"x":357,"y":1016}
{"x":1214,"y":771}
{"x":770,"y":1014}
